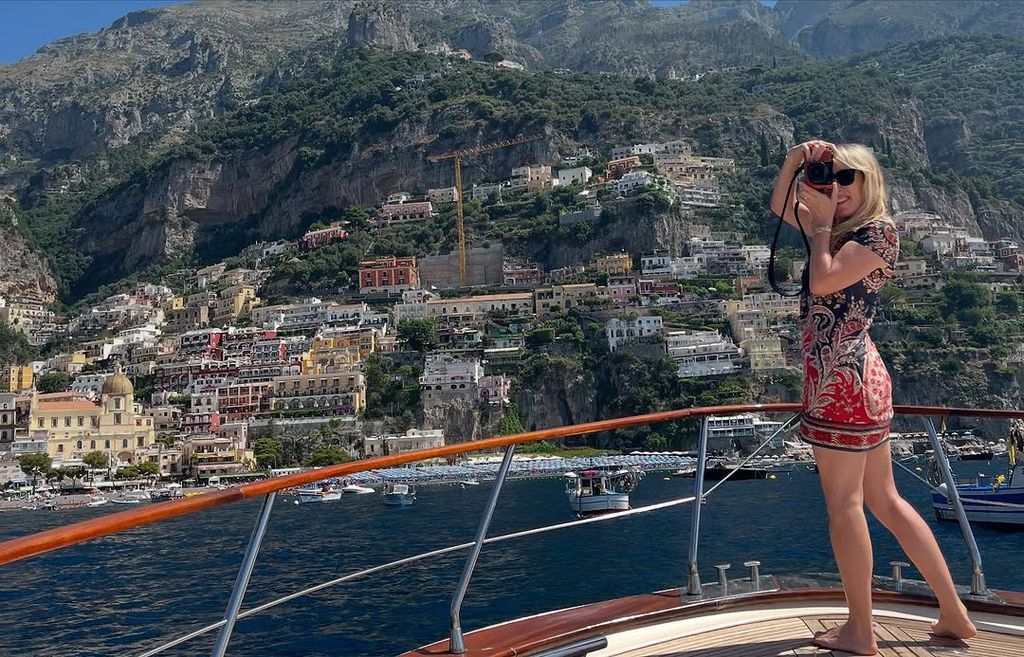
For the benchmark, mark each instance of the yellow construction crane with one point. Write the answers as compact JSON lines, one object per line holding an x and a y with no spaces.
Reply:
{"x":457,"y":156}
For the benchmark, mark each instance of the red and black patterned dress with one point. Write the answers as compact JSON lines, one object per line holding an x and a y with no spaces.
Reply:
{"x":847,"y":400}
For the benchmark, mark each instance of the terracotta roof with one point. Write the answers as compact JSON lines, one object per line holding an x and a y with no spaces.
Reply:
{"x":68,"y":406}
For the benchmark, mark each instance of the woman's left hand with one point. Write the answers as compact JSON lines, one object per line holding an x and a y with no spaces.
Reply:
{"x":821,"y":207}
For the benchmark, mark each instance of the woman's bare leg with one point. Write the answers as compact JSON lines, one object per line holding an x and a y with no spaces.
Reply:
{"x":917,"y":540}
{"x":842,"y":480}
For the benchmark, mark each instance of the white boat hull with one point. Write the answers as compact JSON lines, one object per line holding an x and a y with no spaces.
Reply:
{"x":587,"y":505}
{"x":398,"y":499}
{"x":357,"y":489}
{"x":329,"y":496}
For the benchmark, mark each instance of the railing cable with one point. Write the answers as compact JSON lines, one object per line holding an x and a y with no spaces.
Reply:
{"x":419,"y":557}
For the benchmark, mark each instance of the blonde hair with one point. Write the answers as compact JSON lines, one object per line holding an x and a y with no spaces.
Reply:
{"x":856,"y":156}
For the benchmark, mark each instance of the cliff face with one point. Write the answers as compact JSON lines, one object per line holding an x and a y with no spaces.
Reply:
{"x":22,"y":271}
{"x":565,"y":393}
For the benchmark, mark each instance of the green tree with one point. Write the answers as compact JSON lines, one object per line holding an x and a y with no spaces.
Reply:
{"x":53,"y":382}
{"x":510,"y":423}
{"x":35,"y":465}
{"x":418,"y":334}
{"x":269,"y":452}
{"x":148,"y":469}
{"x":540,"y":336}
{"x":96,"y":461}
{"x":327,"y":455}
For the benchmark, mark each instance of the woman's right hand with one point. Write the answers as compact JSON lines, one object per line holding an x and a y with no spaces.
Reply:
{"x":809,"y":151}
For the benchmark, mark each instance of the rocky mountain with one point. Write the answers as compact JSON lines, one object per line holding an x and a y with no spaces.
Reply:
{"x":833,"y":28}
{"x":23,"y":272}
{"x":191,"y":130}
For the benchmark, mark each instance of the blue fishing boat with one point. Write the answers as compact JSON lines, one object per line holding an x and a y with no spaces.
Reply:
{"x":994,"y":500}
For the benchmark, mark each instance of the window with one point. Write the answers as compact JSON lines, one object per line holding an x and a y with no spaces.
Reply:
{"x":78,"y":445}
{"x":3,"y":418}
{"x":81,"y":421}
{"x":106,"y":444}
{"x":117,"y":418}
{"x":60,"y":447}
{"x":53,"y":422}
{"x":67,"y":421}
{"x":124,"y":443}
{"x":92,"y":444}
{"x":117,"y":403}
{"x":40,"y":423}
{"x":140,"y":442}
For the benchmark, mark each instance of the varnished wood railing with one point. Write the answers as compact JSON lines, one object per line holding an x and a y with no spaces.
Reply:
{"x":60,"y":537}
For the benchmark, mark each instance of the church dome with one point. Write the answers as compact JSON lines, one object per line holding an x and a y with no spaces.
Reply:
{"x":118,"y":384}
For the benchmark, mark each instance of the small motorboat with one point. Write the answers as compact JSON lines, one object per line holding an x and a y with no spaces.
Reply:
{"x":98,"y":502}
{"x":320,"y":494}
{"x":398,"y":494}
{"x":125,"y":500}
{"x":592,"y":492}
{"x":995,"y":500}
{"x":356,"y":489}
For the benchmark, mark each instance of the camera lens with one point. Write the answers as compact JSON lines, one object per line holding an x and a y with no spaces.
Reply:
{"x":819,"y":173}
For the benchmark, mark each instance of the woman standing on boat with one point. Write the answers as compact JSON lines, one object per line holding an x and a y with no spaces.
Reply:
{"x":847,"y":394}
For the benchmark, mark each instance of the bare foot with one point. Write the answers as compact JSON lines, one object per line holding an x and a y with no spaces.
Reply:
{"x":956,"y":625}
{"x":848,"y":639}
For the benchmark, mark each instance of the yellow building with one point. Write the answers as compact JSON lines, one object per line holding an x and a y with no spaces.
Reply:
{"x":558,"y":299}
{"x":765,"y":354}
{"x":15,"y":378}
{"x":234,"y":302}
{"x":211,"y":455}
{"x":341,"y":345}
{"x":330,"y":390}
{"x":612,"y":263}
{"x":71,"y":363}
{"x":115,"y":426}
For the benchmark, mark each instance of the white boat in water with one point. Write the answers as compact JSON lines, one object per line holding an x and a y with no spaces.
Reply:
{"x":592,"y":492}
{"x":356,"y":489}
{"x":398,"y":494}
{"x":125,"y":501}
{"x":321,"y":494}
{"x":98,"y":502}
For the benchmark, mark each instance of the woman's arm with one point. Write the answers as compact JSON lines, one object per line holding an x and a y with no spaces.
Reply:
{"x":853,"y":262}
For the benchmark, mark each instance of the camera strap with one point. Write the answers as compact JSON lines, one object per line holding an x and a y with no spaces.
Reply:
{"x":804,"y":276}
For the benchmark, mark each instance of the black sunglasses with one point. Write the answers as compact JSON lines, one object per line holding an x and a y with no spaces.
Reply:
{"x":846,"y":177}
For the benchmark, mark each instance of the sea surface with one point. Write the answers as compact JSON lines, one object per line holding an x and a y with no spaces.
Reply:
{"x":133,"y":591}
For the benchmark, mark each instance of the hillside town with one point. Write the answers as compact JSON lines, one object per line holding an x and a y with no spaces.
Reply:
{"x":181,"y":378}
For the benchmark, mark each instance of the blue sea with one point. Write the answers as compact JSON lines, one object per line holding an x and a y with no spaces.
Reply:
{"x":130,"y":592}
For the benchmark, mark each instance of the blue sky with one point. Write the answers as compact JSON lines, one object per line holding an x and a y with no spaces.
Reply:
{"x":27,"y":25}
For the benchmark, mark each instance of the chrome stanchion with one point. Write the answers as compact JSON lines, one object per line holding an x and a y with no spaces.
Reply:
{"x":978,"y":586}
{"x":457,"y":645}
{"x":242,"y":580}
{"x":693,"y":586}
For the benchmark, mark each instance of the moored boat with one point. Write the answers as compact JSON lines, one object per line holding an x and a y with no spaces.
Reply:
{"x":356,"y":489}
{"x":592,"y":492}
{"x":993,"y":500}
{"x":395,"y":494}
{"x":318,"y":494}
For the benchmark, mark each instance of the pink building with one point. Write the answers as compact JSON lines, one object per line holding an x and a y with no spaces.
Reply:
{"x":494,"y":389}
{"x":621,"y":288}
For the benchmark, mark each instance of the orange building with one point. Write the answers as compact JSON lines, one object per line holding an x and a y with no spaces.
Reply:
{"x":388,"y":274}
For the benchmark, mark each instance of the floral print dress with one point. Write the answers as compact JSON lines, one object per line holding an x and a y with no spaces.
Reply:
{"x":847,"y":395}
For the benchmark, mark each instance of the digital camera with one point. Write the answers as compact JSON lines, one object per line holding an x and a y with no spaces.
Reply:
{"x":820,"y":174}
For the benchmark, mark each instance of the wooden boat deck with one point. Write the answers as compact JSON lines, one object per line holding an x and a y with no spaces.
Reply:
{"x":775,"y":623}
{"x":790,"y":637}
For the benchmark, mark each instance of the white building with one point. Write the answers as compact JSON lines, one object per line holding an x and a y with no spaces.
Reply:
{"x":632,"y":181}
{"x":702,"y":353}
{"x":89,"y":385}
{"x":619,"y":331}
{"x":765,"y":353}
{"x":411,"y":441}
{"x":445,"y":373}
{"x":577,"y":175}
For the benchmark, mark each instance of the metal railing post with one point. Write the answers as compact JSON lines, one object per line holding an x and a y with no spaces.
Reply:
{"x":978,"y":586}
{"x":242,"y":580}
{"x":456,"y":644}
{"x":693,"y":586}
